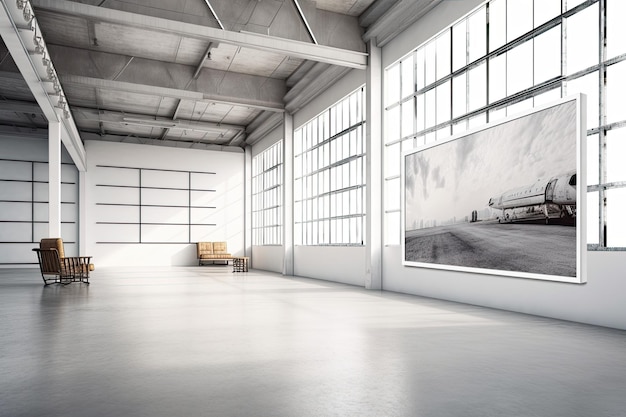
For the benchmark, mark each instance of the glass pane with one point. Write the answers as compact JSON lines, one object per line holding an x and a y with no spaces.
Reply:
{"x":392,"y":194}
{"x":392,"y":124}
{"x":459,"y":127}
{"x":616,"y":150}
{"x":408,"y":83}
{"x":478,"y":120}
{"x":519,"y":20}
{"x":548,"y":97}
{"x":546,"y":10}
{"x":429,"y":108}
{"x":547,"y":55}
{"x":519,"y":68}
{"x":443,"y":54}
{"x":408,"y":116}
{"x":392,"y":228}
{"x":408,"y":144}
{"x":430,"y":61}
{"x":587,"y":85}
{"x":477,"y":87}
{"x":459,"y":45}
{"x":582,"y":40}
{"x":443,"y":102}
{"x":520,"y":107}
{"x":443,"y":133}
{"x":497,"y":24}
{"x":477,"y":25}
{"x":420,"y":69}
{"x":496,"y":114}
{"x":392,"y":87}
{"x":419,"y":120}
{"x":497,"y":78}
{"x":593,"y":218}
{"x":615,"y":219}
{"x":392,"y":160}
{"x":459,"y":95}
{"x":615,"y":28}
{"x":593,"y":158}
{"x":616,"y":92}
{"x":573,"y":3}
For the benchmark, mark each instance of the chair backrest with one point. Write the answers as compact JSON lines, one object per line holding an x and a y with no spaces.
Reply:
{"x":53,"y":243}
{"x":205,"y":248}
{"x":219,"y":247}
{"x":49,"y":261}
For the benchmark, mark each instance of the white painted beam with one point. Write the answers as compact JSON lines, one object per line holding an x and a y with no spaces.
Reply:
{"x":395,"y":20}
{"x":107,"y":116}
{"x":288,"y":47}
{"x":15,"y":36}
{"x":99,"y":83}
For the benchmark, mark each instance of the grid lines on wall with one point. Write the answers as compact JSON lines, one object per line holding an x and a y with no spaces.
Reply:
{"x":267,"y":196}
{"x":154,"y":206}
{"x":24,"y":208}
{"x":507,"y":56}
{"x":329,"y":175}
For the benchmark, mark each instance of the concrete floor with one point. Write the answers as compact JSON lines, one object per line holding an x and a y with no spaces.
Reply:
{"x":202,"y":341}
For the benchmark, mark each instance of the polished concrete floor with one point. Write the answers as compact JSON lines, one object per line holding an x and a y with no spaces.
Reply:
{"x":202,"y":341}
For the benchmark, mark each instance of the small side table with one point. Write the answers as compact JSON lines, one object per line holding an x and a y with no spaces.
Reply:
{"x":240,"y":264}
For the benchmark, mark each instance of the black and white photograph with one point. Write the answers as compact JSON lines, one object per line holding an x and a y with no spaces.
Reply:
{"x":502,"y":200}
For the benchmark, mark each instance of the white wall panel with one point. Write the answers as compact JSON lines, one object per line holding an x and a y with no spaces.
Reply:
{"x":168,"y":242}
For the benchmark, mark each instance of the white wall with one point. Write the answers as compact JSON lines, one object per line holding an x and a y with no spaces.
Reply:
{"x":345,"y":264}
{"x":228,"y":199}
{"x":268,"y":258}
{"x":599,"y":302}
{"x":18,"y":235}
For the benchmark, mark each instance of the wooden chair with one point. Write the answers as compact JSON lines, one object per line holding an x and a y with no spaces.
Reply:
{"x":57,"y":268}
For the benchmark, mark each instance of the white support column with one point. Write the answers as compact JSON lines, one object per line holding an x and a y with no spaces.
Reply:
{"x":248,"y":203}
{"x":288,"y":194}
{"x":54,"y":179}
{"x":82,"y":213}
{"x":374,"y":240}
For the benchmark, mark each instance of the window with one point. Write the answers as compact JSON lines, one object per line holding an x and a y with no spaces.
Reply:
{"x":329,"y":171}
{"x":507,"y":56}
{"x":267,"y":196}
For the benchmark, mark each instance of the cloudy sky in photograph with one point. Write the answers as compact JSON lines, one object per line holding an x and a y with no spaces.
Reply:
{"x":453,"y":178}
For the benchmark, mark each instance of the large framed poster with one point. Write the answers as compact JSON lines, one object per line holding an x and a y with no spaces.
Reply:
{"x":506,"y":199}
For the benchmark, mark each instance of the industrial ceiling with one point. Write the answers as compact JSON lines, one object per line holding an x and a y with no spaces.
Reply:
{"x":193,"y":73}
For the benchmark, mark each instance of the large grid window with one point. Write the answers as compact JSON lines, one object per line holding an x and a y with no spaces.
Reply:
{"x":508,"y":56}
{"x":267,"y":196}
{"x":329,"y":178}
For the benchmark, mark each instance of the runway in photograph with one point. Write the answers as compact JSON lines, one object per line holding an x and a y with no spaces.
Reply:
{"x":524,"y":247}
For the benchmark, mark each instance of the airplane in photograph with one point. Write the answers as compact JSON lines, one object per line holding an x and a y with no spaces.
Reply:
{"x":554,"y":198}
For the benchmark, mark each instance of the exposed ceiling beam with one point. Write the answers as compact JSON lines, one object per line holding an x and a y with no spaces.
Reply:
{"x":261,"y":126}
{"x":19,"y":106}
{"x":38,"y":76}
{"x":310,"y":86}
{"x":219,"y":22}
{"x":374,"y":12}
{"x":159,"y":142}
{"x":395,"y":20}
{"x":77,"y":80}
{"x":293,"y":48}
{"x":158,"y":122}
{"x":305,"y":21}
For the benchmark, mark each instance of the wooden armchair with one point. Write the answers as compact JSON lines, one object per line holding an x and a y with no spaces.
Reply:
{"x":57,"y":268}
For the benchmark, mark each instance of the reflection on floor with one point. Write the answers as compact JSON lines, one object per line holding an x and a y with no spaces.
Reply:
{"x":202,"y":341}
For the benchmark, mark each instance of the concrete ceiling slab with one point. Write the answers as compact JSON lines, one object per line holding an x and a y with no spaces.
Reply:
{"x":149,"y":58}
